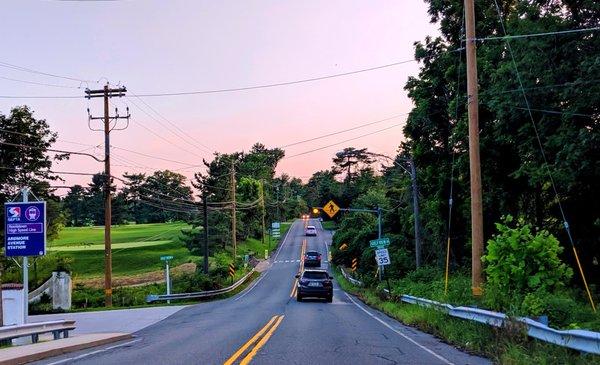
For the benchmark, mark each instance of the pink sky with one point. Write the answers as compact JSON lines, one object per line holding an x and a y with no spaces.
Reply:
{"x":171,"y":46}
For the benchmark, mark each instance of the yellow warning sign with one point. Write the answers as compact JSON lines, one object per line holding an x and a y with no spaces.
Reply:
{"x":331,"y":209}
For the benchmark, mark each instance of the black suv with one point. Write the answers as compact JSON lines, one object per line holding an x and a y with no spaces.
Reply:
{"x":312,"y":258}
{"x":315,"y":283}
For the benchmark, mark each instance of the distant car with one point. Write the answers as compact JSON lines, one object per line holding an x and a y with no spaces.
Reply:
{"x":310,"y":231}
{"x":314,"y":284}
{"x":312,"y":258}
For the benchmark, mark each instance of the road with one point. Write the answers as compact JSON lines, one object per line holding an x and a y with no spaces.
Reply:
{"x":265,"y":325}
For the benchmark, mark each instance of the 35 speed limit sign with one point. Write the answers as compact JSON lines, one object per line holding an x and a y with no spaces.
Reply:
{"x":382,"y":256}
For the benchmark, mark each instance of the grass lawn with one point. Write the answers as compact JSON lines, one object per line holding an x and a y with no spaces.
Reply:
{"x":127,"y":261}
{"x":81,"y":236}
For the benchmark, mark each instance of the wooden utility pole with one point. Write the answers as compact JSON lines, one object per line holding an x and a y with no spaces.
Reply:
{"x":107,"y":93}
{"x":205,"y":212}
{"x":474,"y":160}
{"x":262,"y":205}
{"x":233,"y":208}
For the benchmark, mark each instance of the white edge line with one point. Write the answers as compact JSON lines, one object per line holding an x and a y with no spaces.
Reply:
{"x":400,"y":333}
{"x":94,"y":352}
{"x":267,"y":271}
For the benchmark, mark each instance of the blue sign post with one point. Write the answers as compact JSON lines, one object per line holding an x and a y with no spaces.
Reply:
{"x":25,"y":229}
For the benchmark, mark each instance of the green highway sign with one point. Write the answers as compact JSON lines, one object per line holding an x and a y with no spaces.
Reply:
{"x":166,"y":258}
{"x":380,"y":243}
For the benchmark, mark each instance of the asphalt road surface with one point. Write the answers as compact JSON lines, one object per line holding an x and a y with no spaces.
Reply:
{"x":265,"y":324}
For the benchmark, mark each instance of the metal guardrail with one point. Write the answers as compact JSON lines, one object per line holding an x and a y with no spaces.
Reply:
{"x":350,"y":278}
{"x":34,"y":330}
{"x":203,"y":294}
{"x":582,"y":340}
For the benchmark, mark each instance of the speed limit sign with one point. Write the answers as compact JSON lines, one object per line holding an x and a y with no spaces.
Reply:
{"x":382,"y":256}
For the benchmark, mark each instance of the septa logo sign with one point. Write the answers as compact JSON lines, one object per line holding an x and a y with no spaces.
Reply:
{"x":32,"y":213}
{"x":14,"y":214}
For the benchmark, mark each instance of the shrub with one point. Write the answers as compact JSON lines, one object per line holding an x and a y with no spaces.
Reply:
{"x":519,"y":261}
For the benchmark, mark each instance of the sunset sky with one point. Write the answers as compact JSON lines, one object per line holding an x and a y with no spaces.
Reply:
{"x":178,"y":46}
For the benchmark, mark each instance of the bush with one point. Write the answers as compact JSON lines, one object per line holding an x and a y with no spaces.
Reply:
{"x":519,"y":261}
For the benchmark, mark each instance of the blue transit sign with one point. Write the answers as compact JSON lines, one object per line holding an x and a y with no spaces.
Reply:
{"x":25,"y":228}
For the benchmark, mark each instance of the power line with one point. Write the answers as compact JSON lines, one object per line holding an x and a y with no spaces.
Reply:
{"x":343,"y":131}
{"x":286,"y":83}
{"x":530,"y":35}
{"x":344,"y":141}
{"x":38,"y":83}
{"x":155,"y":157}
{"x":160,"y":136}
{"x":25,"y":69}
{"x":51,"y":150}
{"x":51,"y":171}
{"x":183,"y":135}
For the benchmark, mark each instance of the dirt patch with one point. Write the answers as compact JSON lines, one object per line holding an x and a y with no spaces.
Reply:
{"x":139,"y":279}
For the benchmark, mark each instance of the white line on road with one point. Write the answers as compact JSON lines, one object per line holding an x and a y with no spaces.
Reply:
{"x":400,"y":333}
{"x":94,"y":352}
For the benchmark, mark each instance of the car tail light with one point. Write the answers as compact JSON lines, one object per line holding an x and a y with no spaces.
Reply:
{"x":327,"y":283}
{"x":304,"y":282}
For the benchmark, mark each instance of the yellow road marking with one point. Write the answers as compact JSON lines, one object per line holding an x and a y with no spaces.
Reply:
{"x":294,"y":287}
{"x":241,"y":350}
{"x":262,"y":342}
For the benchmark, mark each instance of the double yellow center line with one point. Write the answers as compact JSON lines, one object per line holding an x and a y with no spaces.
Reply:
{"x":295,"y":286}
{"x":258,"y":340}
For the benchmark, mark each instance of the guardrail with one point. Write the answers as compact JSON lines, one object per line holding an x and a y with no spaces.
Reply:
{"x":582,"y":340}
{"x":34,"y":330}
{"x":203,"y":294}
{"x":350,"y":278}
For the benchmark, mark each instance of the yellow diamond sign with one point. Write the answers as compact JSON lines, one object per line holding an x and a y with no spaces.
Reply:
{"x":331,"y":209}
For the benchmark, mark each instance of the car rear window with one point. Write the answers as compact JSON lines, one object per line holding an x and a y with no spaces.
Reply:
{"x":310,"y":227}
{"x":315,"y":275}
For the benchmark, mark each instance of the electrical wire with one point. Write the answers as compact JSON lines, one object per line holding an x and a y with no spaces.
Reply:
{"x":25,"y":69}
{"x":530,"y":35}
{"x":343,"y":131}
{"x":38,"y":83}
{"x":183,"y":135}
{"x":157,"y":134}
{"x":51,"y":150}
{"x":344,"y":141}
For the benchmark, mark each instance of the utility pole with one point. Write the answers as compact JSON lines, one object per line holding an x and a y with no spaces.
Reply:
{"x":415,"y":194}
{"x":107,"y":93}
{"x":233,"y":207}
{"x":278,"y":219}
{"x":205,"y":206}
{"x":262,"y":204}
{"x":474,"y":160}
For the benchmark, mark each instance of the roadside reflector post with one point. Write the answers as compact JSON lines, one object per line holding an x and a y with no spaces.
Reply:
{"x":232,"y":271}
{"x":354,"y":264}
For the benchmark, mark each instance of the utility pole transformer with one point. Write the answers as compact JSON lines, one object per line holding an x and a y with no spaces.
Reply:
{"x":474,"y":160}
{"x":107,"y":93}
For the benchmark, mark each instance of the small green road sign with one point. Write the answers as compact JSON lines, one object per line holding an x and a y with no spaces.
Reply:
{"x":166,"y":258}
{"x":380,"y":243}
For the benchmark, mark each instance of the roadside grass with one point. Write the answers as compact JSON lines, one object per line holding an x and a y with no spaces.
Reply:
{"x":329,"y":225}
{"x":504,"y":346}
{"x":256,"y":247}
